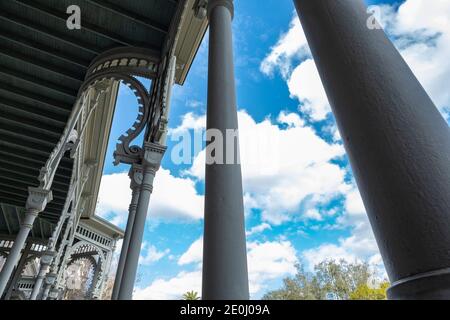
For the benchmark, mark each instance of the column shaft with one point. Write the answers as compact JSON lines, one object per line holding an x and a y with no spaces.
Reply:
{"x":46,"y":260}
{"x":16,"y":249}
{"x":38,"y":285}
{"x":397,"y":142}
{"x":18,"y":271}
{"x":135,"y":187}
{"x":46,"y":291}
{"x":152,"y":159}
{"x":225,"y":273}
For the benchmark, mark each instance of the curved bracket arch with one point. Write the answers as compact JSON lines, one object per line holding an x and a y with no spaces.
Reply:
{"x":117,"y":64}
{"x":125,"y":152}
{"x":80,"y":244}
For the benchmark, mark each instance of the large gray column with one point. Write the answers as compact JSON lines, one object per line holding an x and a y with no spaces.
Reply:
{"x":397,"y":142}
{"x":135,"y":175}
{"x":151,"y":161}
{"x":225,"y":273}
{"x":36,"y":202}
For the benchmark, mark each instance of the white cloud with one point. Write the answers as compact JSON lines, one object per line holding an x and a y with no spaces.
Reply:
{"x":291,"y":119}
{"x":171,"y":289}
{"x":115,"y":196}
{"x":313,"y":214}
{"x":359,"y":246}
{"x":194,"y":253}
{"x":422,"y":35}
{"x":267,"y":261}
{"x":258,"y":229}
{"x":305,"y":85}
{"x":189,"y":122}
{"x":283,"y":168}
{"x":291,"y":45}
{"x":150,"y":254}
{"x":428,"y":26}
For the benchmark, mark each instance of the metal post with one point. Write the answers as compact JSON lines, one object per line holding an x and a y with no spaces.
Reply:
{"x":18,"y":271}
{"x":135,"y":175}
{"x":49,"y":280}
{"x":225,"y":273}
{"x":397,"y":142}
{"x":92,"y":294}
{"x":36,"y":202}
{"x":45,"y":262}
{"x":153,"y":154}
{"x":63,"y":251}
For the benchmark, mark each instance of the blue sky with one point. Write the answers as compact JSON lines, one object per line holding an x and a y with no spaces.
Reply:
{"x":301,"y":208}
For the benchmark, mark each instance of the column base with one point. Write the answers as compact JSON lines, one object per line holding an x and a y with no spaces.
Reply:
{"x":433,"y":285}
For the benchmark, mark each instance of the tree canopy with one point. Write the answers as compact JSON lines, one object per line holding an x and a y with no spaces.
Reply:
{"x":339,"y":280}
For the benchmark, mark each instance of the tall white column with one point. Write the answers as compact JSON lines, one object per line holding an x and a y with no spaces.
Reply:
{"x":135,"y":175}
{"x":225,"y":275}
{"x":36,"y":202}
{"x":153,"y":154}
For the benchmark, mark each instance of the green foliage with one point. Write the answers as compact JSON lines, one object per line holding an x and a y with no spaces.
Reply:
{"x":364,"y":292}
{"x":344,"y":280}
{"x":191,"y":295}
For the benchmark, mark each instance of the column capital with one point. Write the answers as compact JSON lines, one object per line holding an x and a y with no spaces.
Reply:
{"x":224,"y":3}
{"x":50,"y":278}
{"x":47,"y":257}
{"x":38,"y":198}
{"x":153,"y":154}
{"x":136,"y":175}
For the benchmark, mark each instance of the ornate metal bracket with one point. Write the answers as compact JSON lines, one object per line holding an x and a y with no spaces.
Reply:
{"x":124,"y":64}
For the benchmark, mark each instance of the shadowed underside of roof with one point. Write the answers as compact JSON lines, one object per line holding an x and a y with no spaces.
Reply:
{"x":42,"y":66}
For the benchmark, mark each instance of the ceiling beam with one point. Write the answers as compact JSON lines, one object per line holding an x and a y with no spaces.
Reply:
{"x":27,"y":112}
{"x":19,"y":147}
{"x":54,"y":104}
{"x":59,"y":195}
{"x":23,"y":192}
{"x":28,"y":179}
{"x":8,"y":128}
{"x":89,"y":48}
{"x":20,"y":200}
{"x":5,"y":215}
{"x":19,"y":151}
{"x":18,"y":136}
{"x":130,"y":16}
{"x":68,"y":92}
{"x":32,"y":45}
{"x":30,"y":124}
{"x":16,"y":164}
{"x":86,"y":26}
{"x":41,"y":65}
{"x":57,"y":119}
